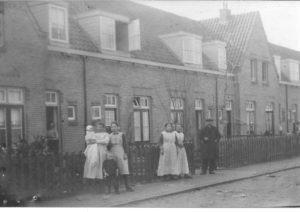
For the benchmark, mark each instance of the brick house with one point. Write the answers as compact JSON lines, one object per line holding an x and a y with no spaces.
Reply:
{"x":287,"y":65}
{"x":75,"y":62}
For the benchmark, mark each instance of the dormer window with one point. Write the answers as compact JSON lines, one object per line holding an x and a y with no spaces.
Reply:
{"x":192,"y":52}
{"x":111,"y":32}
{"x":58,"y":24}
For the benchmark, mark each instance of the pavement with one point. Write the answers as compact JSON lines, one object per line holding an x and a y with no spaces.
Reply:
{"x":166,"y":188}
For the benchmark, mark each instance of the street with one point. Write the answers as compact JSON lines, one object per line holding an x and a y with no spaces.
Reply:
{"x":275,"y":190}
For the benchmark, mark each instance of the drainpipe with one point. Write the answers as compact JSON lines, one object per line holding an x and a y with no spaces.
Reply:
{"x":287,"y":107}
{"x":84,"y":90}
{"x":217,"y":105}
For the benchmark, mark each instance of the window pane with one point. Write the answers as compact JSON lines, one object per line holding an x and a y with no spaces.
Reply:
{"x":110,"y":116}
{"x":2,"y":96}
{"x":71,"y":112}
{"x":96,"y":112}
{"x":15,"y":96}
{"x":137,"y":126}
{"x":146,"y":126}
{"x":16,"y":125}
{"x":3,"y":127}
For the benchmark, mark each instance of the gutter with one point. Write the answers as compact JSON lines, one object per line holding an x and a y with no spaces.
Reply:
{"x":133,"y":60}
{"x":84,"y":90}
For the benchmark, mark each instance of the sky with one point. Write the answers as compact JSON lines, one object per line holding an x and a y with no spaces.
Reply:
{"x":281,"y":19}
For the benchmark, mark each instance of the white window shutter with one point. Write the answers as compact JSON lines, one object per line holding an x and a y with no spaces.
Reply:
{"x":134,"y":35}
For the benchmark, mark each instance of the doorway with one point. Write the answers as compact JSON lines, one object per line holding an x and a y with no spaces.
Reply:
{"x":229,"y":124}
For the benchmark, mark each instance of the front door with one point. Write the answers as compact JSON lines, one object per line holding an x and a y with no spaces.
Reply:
{"x":52,"y":124}
{"x":270,"y":122}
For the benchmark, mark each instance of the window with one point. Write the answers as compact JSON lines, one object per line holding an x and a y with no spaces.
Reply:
{"x":1,"y":24}
{"x":141,"y":118}
{"x":15,"y":96}
{"x":220,"y":114}
{"x":108,"y":33}
{"x":71,"y":113}
{"x":2,"y":95}
{"x":134,"y":35}
{"x":96,"y":112}
{"x":51,"y":98}
{"x":192,"y":50}
{"x":294,"y":71}
{"x":58,"y":24}
{"x":253,"y":67}
{"x":177,"y":106}
{"x":228,"y":105}
{"x":199,"y":104}
{"x":199,"y":107}
{"x":11,"y":116}
{"x":209,"y":113}
{"x":110,"y":109}
{"x":250,"y":117}
{"x":265,"y":71}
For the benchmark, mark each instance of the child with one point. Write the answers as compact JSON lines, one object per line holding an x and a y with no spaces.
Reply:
{"x":118,"y":146}
{"x":183,"y":166}
{"x":110,"y":172}
{"x":168,"y":162}
{"x":91,"y":154}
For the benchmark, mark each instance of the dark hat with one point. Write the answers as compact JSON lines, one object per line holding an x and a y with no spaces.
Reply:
{"x":209,"y":119}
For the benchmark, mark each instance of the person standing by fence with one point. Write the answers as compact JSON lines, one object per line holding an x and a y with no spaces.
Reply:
{"x":119,"y":148}
{"x":102,"y":140}
{"x":183,"y":166}
{"x":168,"y":160}
{"x":209,"y":137}
{"x":92,"y":156}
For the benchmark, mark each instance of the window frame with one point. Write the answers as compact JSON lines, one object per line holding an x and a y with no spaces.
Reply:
{"x":113,"y":22}
{"x":195,"y":50}
{"x":66,"y":23}
{"x":94,"y":108}
{"x":253,"y":70}
{"x":74,"y":118}
{"x":56,"y":98}
{"x":199,"y":106}
{"x":5,"y":95}
{"x":141,"y":109}
{"x":265,"y":72}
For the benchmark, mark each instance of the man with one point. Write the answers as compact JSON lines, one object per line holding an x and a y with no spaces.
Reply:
{"x":209,"y":137}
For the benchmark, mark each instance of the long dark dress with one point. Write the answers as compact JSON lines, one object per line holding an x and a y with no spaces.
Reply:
{"x":209,"y":148}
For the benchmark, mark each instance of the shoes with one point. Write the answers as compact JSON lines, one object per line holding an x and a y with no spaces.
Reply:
{"x":212,"y":172}
{"x":129,"y":189}
{"x":188,"y":176}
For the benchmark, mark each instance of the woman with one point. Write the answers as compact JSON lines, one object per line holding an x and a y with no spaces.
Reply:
{"x":183,"y":166}
{"x":102,"y":140}
{"x":91,"y":154}
{"x":118,"y":147}
{"x":168,"y":162}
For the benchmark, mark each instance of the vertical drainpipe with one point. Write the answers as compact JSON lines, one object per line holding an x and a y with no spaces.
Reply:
{"x":84,"y":90}
{"x":217,"y":105}
{"x":287,"y":107}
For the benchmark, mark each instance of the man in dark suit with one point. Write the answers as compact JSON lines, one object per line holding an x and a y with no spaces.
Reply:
{"x":209,"y":137}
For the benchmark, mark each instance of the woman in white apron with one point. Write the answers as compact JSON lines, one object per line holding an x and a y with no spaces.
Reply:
{"x":168,"y":160}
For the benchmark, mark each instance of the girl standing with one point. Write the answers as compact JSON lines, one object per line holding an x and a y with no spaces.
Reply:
{"x":119,"y":148}
{"x":102,"y":140}
{"x":183,"y":166}
{"x":168,"y":162}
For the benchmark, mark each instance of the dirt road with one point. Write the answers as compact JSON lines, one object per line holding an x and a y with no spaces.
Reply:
{"x":280,"y":189}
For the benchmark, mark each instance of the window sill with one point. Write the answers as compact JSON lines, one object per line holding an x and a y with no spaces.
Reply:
{"x":72,"y":123}
{"x":59,"y":43}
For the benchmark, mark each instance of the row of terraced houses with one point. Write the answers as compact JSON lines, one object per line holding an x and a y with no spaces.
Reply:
{"x":72,"y":62}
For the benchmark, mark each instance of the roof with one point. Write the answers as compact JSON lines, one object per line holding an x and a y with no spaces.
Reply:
{"x":284,"y":52}
{"x":235,"y":33}
{"x":152,"y":47}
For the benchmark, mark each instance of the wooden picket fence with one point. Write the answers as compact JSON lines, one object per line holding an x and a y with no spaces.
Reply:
{"x":56,"y":175}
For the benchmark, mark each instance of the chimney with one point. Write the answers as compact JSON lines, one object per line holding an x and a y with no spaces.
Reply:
{"x":224,"y":14}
